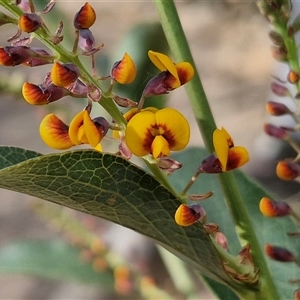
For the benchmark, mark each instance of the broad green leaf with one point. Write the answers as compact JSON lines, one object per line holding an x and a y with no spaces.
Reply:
{"x":53,"y":259}
{"x":268,"y":230}
{"x":11,"y":155}
{"x":112,"y":188}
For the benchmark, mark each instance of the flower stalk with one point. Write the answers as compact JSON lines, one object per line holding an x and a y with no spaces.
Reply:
{"x":178,"y":44}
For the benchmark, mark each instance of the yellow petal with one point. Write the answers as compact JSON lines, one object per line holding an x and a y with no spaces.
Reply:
{"x":222,"y":141}
{"x":138,"y":135}
{"x":75,"y":124}
{"x":160,"y":147}
{"x":82,"y":136}
{"x":125,"y":71}
{"x":237,"y":156}
{"x":163,"y":63}
{"x":54,"y":133}
{"x":98,"y":148}
{"x":91,"y":131}
{"x":185,"y":72}
{"x":173,"y":127}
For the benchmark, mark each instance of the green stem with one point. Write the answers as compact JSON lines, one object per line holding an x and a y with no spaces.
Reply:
{"x":180,"y":49}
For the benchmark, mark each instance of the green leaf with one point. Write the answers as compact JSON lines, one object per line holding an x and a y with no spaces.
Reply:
{"x":11,"y":155}
{"x":112,"y":188}
{"x":53,"y":259}
{"x":268,"y":230}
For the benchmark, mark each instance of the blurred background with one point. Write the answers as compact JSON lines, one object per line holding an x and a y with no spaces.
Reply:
{"x":230,"y":45}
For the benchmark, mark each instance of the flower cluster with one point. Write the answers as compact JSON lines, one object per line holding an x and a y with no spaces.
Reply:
{"x":287,"y":91}
{"x":142,"y":131}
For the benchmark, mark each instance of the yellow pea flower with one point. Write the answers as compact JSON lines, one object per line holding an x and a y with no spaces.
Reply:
{"x":171,"y":77}
{"x":157,"y":132}
{"x":227,"y":156}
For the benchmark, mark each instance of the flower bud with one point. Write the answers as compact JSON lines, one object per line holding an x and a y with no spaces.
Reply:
{"x":85,"y":17}
{"x":279,"y":90}
{"x":187,"y":215}
{"x":297,"y":294}
{"x":63,"y":75}
{"x":11,"y":56}
{"x":211,"y":164}
{"x":30,"y":22}
{"x":271,"y":208}
{"x":293,"y":77}
{"x":279,"y":253}
{"x":221,"y":240}
{"x":40,"y":95}
{"x":123,"y":71}
{"x":276,"y":108}
{"x":287,"y":170}
{"x":275,"y":131}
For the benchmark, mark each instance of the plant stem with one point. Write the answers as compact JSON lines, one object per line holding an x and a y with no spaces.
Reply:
{"x":180,"y":49}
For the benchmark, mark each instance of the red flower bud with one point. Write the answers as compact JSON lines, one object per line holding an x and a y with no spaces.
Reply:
{"x":63,"y":75}
{"x":279,"y":253}
{"x":279,"y":89}
{"x":293,"y":77}
{"x":271,"y":208}
{"x":287,"y":170}
{"x":276,"y":108}
{"x":40,"y":95}
{"x":187,"y":215}
{"x":85,"y":18}
{"x":15,"y":55}
{"x":275,"y":131}
{"x":297,"y":294}
{"x":30,"y":22}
